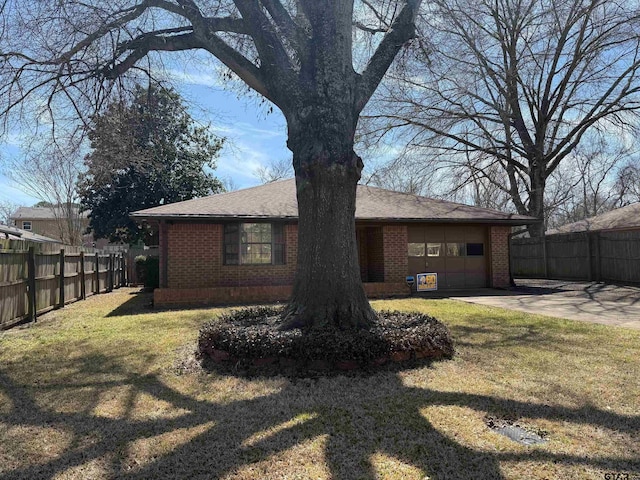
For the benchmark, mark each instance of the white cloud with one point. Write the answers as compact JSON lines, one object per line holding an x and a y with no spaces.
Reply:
{"x":243,"y":130}
{"x":195,"y":78}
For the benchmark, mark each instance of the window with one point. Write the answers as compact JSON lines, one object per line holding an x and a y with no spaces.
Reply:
{"x":434,"y":250}
{"x":455,"y":249}
{"x":416,"y":249}
{"x":26,"y":225}
{"x":254,"y":244}
{"x":475,"y":249}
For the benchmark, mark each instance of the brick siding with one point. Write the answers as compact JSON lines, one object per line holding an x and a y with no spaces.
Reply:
{"x":500,"y":257}
{"x":394,"y":238}
{"x":196,"y":274}
{"x":167,"y":297}
{"x":195,"y":259}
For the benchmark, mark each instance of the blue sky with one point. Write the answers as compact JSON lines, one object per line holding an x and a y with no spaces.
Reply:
{"x":254,"y":138}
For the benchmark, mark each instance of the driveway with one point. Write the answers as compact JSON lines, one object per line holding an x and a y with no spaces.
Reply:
{"x":585,"y":301}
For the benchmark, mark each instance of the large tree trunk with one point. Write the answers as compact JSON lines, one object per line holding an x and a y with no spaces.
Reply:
{"x":322,"y":119}
{"x":327,"y":291}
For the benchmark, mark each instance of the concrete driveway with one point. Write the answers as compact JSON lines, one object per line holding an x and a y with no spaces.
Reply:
{"x":586,"y":301}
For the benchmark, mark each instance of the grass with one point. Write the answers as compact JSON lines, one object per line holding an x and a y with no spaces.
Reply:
{"x":91,"y":391}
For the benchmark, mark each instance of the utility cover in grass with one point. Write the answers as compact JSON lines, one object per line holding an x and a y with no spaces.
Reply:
{"x":515,"y":431}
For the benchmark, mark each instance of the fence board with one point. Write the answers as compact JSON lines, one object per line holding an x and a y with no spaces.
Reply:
{"x":600,"y":256}
{"x":51,"y":277}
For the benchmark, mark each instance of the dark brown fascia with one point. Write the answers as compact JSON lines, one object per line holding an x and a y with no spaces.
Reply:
{"x":229,"y":218}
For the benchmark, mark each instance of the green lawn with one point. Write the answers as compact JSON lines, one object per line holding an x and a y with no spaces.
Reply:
{"x":92,"y":391}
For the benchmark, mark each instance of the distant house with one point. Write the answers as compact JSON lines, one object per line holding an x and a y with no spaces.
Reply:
{"x":618,"y":220}
{"x":241,"y":246}
{"x":14,"y":233}
{"x":54,"y":222}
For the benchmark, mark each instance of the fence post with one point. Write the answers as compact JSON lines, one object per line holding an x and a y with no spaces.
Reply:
{"x":544,"y":256}
{"x":598,"y":258}
{"x":97,"y":273}
{"x":83,"y":287}
{"x":31,"y":283}
{"x":589,"y":256}
{"x":61,"y":279}
{"x":110,"y":273}
{"x":123,"y":269}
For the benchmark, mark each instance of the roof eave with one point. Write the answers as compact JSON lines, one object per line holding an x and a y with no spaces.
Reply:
{"x":486,"y":221}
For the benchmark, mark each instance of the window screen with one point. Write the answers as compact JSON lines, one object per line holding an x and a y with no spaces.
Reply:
{"x":255,"y":243}
{"x":232,"y":244}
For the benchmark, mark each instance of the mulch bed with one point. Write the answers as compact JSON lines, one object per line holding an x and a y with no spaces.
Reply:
{"x":249,"y":341}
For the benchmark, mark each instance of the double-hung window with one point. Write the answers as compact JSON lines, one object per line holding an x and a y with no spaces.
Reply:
{"x":26,"y":225}
{"x":254,"y":244}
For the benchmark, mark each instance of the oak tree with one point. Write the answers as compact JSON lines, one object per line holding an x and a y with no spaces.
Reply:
{"x":518,"y":84}
{"x":297,"y":54}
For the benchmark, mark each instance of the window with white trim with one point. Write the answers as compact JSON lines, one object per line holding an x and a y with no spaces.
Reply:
{"x":26,"y":225}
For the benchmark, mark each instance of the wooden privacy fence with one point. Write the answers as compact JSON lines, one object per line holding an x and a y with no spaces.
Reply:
{"x":36,"y":277}
{"x":591,"y":256}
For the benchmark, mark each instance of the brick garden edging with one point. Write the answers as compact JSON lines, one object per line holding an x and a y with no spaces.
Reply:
{"x":223,"y":358}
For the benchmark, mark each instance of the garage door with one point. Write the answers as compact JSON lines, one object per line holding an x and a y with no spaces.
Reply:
{"x":456,"y":253}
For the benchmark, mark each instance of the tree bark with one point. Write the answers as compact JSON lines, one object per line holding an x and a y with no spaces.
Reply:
{"x":536,"y":198}
{"x":301,"y":60}
{"x":321,"y":117}
{"x":327,"y":291}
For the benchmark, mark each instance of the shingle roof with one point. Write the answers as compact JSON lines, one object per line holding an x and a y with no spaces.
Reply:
{"x":624,"y":218}
{"x":278,"y":200}
{"x":40,"y":213}
{"x":14,"y":233}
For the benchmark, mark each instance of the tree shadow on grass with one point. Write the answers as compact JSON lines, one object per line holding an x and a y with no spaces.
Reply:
{"x":138,"y":303}
{"x":353,"y":419}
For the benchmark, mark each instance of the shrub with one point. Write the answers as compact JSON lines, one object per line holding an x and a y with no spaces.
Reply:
{"x":152,"y":273}
{"x":148,"y":271}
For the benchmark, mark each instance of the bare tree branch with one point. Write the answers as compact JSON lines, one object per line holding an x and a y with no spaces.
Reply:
{"x":401,"y":31}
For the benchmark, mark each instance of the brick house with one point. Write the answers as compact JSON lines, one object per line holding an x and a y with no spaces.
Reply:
{"x":241,"y":246}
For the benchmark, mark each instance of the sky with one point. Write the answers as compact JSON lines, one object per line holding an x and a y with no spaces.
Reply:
{"x":255,"y":134}
{"x":253,"y":137}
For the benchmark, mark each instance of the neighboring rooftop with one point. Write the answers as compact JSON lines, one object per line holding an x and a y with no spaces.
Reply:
{"x":278,"y":200}
{"x":41,"y":213}
{"x":624,"y":218}
{"x":13,"y":233}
